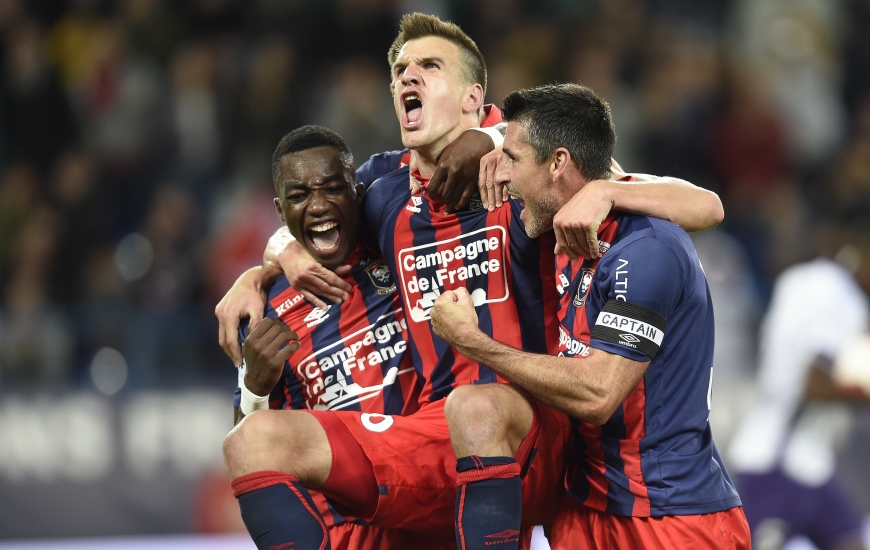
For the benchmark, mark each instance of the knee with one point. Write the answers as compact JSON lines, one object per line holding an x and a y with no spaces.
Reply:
{"x":292,"y":442}
{"x":490,"y":416}
{"x":246,"y":439}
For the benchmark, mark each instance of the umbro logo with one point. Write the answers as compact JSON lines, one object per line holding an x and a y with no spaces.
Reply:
{"x":630,"y":338}
{"x":316,"y":316}
{"x":502,"y":537}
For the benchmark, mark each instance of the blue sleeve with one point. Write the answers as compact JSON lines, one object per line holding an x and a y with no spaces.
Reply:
{"x":387,"y":192}
{"x":377,"y":166}
{"x":637,"y":288}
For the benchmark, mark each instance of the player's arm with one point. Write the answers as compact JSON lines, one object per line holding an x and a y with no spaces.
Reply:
{"x":821,"y":386}
{"x":266,"y":349}
{"x":576,"y":224}
{"x":461,"y":163}
{"x":246,"y":299}
{"x":590,"y":389}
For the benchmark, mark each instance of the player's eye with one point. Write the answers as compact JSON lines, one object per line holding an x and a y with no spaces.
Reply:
{"x":336,"y":189}
{"x":296,"y":197}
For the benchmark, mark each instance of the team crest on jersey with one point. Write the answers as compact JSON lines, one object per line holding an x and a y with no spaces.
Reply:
{"x":379,"y":274}
{"x":585,"y":280}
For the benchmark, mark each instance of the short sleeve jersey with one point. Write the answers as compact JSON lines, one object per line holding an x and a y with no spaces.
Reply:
{"x":510,"y":276}
{"x":353,"y":356}
{"x":646,"y":299}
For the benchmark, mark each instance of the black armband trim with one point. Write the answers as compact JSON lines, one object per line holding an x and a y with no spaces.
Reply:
{"x":630,"y":325}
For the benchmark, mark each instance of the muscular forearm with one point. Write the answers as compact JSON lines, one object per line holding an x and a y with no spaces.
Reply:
{"x":692,"y":208}
{"x":582,"y":388}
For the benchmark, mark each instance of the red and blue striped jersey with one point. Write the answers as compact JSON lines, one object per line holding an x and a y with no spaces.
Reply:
{"x":645,"y":298}
{"x":353,"y":356}
{"x":510,"y":276}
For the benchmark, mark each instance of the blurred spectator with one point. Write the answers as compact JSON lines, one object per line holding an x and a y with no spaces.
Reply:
{"x":36,"y":121}
{"x":152,"y":28}
{"x":268,"y":107}
{"x":784,"y":454}
{"x":354,"y":100}
{"x":19,"y":189}
{"x":83,"y":214}
{"x":195,"y":110}
{"x":36,"y":343}
{"x":792,"y":47}
{"x":163,"y":264}
{"x":597,"y":63}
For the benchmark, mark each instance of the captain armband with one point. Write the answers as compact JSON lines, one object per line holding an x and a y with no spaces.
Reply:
{"x":630,"y":325}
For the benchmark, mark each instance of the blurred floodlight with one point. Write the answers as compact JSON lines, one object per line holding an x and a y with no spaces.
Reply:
{"x":133,"y":256}
{"x":109,"y":371}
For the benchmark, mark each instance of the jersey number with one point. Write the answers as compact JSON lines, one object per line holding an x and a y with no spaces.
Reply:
{"x":376,"y":422}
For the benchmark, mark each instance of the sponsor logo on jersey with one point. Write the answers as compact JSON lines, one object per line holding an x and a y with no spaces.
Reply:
{"x":415,"y":204}
{"x":329,"y":370}
{"x":620,"y":284}
{"x":585,"y":280}
{"x":475,"y":260}
{"x":316,"y":316}
{"x":569,"y":347}
{"x":379,"y":274}
{"x":284,"y":306}
{"x":603,"y":247}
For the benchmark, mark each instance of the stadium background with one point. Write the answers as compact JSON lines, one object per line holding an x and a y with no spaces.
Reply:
{"x":135,"y":140}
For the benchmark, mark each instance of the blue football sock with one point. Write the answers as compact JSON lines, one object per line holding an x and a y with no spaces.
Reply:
{"x":279,"y":512}
{"x":488,"y":503}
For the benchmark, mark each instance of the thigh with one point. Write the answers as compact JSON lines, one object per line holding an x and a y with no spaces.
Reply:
{"x":414,"y":466}
{"x":541,"y":457}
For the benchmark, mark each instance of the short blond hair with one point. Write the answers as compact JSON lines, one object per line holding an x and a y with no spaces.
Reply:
{"x":420,"y":25}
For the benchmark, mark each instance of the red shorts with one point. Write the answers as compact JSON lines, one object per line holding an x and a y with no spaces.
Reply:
{"x":579,"y":526}
{"x":415,"y":468}
{"x":352,"y":536}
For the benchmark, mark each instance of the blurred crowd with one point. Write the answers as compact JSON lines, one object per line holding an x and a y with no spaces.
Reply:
{"x":136,"y":136}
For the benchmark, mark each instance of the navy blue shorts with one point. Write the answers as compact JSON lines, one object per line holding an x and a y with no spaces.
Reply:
{"x":823,"y":514}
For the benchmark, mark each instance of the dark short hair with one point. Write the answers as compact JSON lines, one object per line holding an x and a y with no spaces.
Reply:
{"x":308,"y":137}
{"x":565,"y":115}
{"x":421,"y":25}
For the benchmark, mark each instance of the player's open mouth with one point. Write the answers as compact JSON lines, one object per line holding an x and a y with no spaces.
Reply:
{"x":324,"y":236}
{"x":413,"y":110}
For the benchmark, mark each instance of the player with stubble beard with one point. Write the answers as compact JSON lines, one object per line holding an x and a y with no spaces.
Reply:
{"x":437,"y":98}
{"x":633,"y":368}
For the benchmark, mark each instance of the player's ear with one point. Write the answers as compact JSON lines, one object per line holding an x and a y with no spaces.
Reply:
{"x":560,"y":163}
{"x":473,"y":98}
{"x":360,"y":191}
{"x":278,"y":208}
